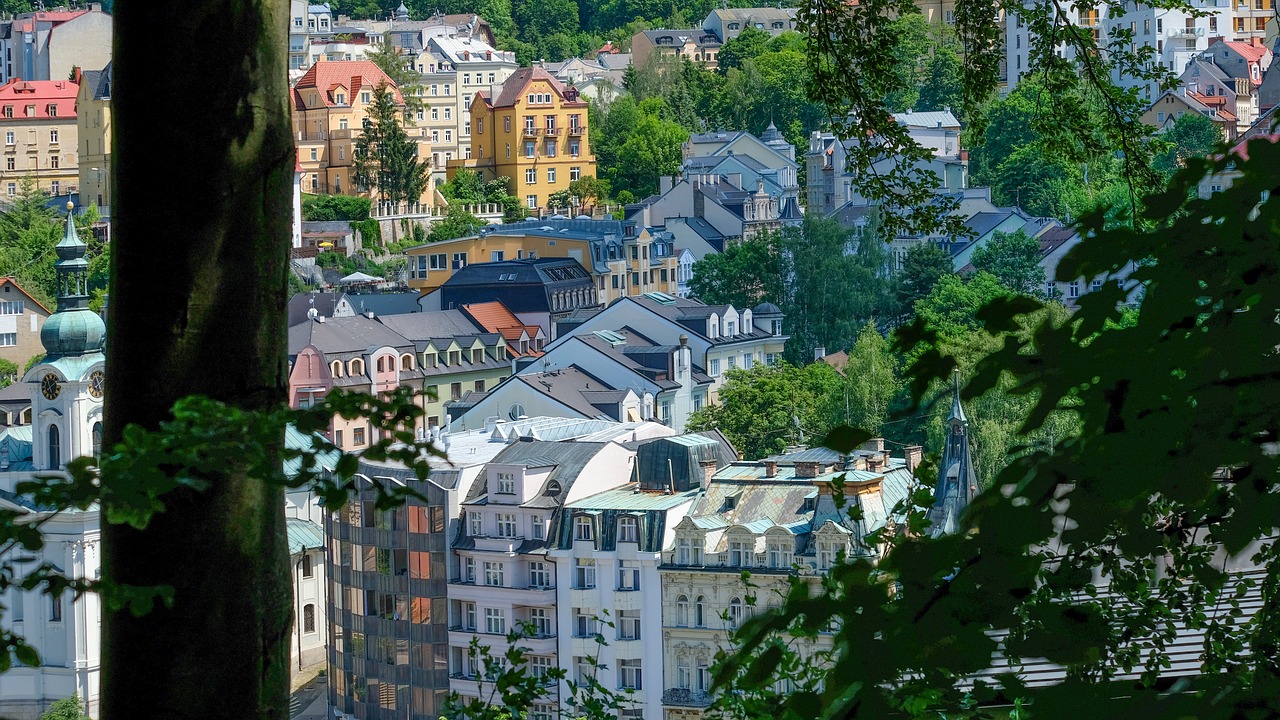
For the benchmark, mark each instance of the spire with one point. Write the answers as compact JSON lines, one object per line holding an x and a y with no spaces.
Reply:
{"x":74,"y":329}
{"x":957,"y":481}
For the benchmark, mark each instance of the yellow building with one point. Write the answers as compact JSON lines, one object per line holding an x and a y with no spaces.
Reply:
{"x":624,"y":260}
{"x":93,"y":125}
{"x":38,"y":120}
{"x":531,"y":129}
{"x":330,"y":103}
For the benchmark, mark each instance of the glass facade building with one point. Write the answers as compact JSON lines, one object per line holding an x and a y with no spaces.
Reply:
{"x":388,"y":616}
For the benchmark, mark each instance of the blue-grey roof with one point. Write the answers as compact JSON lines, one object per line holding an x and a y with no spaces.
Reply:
{"x":386,"y":303}
{"x":303,"y":535}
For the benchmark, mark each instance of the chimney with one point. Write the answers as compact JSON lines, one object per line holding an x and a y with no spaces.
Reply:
{"x":708,"y":470}
{"x":1255,"y":41}
{"x":770,"y":468}
{"x":913,"y":453}
{"x":874,"y":445}
{"x":875,"y":463}
{"x":808,"y":469}
{"x":819,"y":353}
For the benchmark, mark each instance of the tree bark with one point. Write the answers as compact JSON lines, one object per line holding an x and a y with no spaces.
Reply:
{"x":204,"y":160}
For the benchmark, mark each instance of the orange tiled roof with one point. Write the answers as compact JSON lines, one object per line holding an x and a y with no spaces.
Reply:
{"x":1250,"y":52}
{"x":18,"y":94}
{"x":496,"y":317}
{"x":353,"y":75}
{"x":514,"y":87}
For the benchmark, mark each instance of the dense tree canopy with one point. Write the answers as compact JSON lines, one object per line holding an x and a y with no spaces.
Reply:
{"x":1014,"y":259}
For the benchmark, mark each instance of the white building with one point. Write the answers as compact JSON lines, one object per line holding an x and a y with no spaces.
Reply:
{"x":607,"y":550}
{"x":47,"y":45}
{"x":502,"y":580}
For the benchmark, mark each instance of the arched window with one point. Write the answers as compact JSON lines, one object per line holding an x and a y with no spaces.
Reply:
{"x":700,"y":612}
{"x":308,"y":618}
{"x":382,"y":364}
{"x":97,"y":439}
{"x":682,"y":611}
{"x":55,"y":447}
{"x":406,"y":362}
{"x":356,"y":366}
{"x":336,"y":368}
{"x":735,"y":612}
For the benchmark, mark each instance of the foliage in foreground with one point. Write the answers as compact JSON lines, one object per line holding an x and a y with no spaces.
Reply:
{"x":1170,"y":486}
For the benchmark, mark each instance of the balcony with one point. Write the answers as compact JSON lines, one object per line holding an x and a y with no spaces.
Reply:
{"x":506,"y":545}
{"x":531,"y":132}
{"x":551,"y":131}
{"x":576,"y":130}
{"x":681,"y":697}
{"x":1186,"y":33}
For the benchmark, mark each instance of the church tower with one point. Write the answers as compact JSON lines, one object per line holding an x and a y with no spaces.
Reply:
{"x":68,"y":384}
{"x":957,"y":482}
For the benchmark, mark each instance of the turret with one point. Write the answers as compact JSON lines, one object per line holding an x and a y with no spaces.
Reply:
{"x":957,"y":482}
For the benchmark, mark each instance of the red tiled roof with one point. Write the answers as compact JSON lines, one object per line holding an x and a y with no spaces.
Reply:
{"x":496,"y":317}
{"x":19,"y":94}
{"x":10,"y":281}
{"x":1250,"y":52}
{"x":349,"y":74}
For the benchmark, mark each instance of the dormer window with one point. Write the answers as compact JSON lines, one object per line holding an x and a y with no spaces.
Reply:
{"x":340,"y":99}
{"x":336,"y":368}
{"x":582,"y":528}
{"x":734,"y":26}
{"x":506,"y":484}
{"x":628,"y":530}
{"x":780,"y":554}
{"x":741,"y":553}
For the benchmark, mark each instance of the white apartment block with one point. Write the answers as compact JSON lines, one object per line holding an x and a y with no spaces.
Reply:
{"x":503,"y":580}
{"x":1174,"y":34}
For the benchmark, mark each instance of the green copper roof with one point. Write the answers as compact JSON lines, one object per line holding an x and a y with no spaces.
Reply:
{"x":74,"y":329}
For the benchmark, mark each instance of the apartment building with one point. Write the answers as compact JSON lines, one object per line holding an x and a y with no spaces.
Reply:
{"x":623,"y":259}
{"x":454,"y":66}
{"x":38,"y":120}
{"x":51,"y":44}
{"x":21,"y":318}
{"x":93,"y":127}
{"x":330,"y":103}
{"x":503,"y":579}
{"x":699,"y":46}
{"x":720,"y":337}
{"x":727,"y":23}
{"x":607,"y":551}
{"x":532,"y":130}
{"x":774,"y":518}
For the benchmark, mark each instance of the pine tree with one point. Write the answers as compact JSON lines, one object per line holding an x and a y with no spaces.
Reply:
{"x":386,"y":160}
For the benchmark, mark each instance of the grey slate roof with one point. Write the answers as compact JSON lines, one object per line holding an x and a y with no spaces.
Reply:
{"x":422,"y":327}
{"x":345,"y":335}
{"x":386,"y":303}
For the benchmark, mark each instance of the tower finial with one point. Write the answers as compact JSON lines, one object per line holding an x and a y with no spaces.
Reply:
{"x":957,"y":410}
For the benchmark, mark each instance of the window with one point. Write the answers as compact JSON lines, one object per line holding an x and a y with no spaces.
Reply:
{"x":684,"y":672}
{"x":582,"y":528}
{"x":740,"y":553}
{"x":357,"y":436}
{"x":531,"y":201}
{"x":55,"y":187}
{"x":468,"y":569}
{"x":308,"y":618}
{"x":826,"y":553}
{"x":506,"y":525}
{"x":584,"y":577}
{"x":530,"y":148}
{"x":539,"y":528}
{"x":1095,"y":286}
{"x":682,"y":551}
{"x":476,"y":522}
{"x":627,"y":529}
{"x":700,"y":612}
{"x":1073,"y":290}
{"x":682,"y":611}
{"x":8,"y":339}
{"x":448,"y":136}
{"x":8,"y":137}
{"x":551,"y":148}
{"x":55,"y":447}
{"x":448,"y":113}
{"x":540,"y":619}
{"x":53,"y":135}
{"x":455,"y":389}
{"x":55,"y":608}
{"x":8,"y":111}
{"x":530,"y":176}
{"x":53,"y":112}
{"x":306,"y":564}
{"x":12,"y":189}
{"x":628,"y":575}
{"x":96,"y":437}
{"x":495,"y":621}
{"x":551,"y":175}
{"x":539,"y":575}
{"x":584,"y":624}
{"x":714,"y":369}
{"x":494,"y":574}
{"x":575,"y":173}
{"x":779,"y":555}
{"x":506,"y":484}
{"x":629,"y":674}
{"x":734,"y":616}
{"x":539,"y":666}
{"x":9,"y":164}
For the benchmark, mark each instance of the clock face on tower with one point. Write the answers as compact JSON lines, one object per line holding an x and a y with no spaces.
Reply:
{"x":96,"y":382}
{"x":49,"y":386}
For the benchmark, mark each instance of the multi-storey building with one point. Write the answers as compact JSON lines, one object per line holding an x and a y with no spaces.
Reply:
{"x":623,"y":259}
{"x":533,"y":131}
{"x":50,"y":45}
{"x":607,"y":550}
{"x":503,"y":580}
{"x":93,"y":127}
{"x":38,"y":120}
{"x":727,"y":23}
{"x":306,"y":19}
{"x":699,"y":46}
{"x":330,"y":103}
{"x":21,"y":318}
{"x":454,"y":67}
{"x":773,"y":518}
{"x":443,"y":354}
{"x":720,"y":337}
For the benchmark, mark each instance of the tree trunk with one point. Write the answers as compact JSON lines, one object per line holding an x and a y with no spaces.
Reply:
{"x":204,"y":161}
